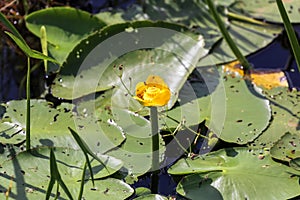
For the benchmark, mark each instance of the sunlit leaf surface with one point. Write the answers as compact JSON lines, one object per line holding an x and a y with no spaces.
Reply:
{"x":30,"y":174}
{"x":235,"y":173}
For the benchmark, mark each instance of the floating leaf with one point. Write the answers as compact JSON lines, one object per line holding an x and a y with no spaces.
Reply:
{"x":30,"y":173}
{"x":295,"y":163}
{"x":11,"y":133}
{"x":248,"y":37}
{"x":136,"y":150}
{"x":134,"y":46}
{"x":151,"y":197}
{"x":62,"y":25}
{"x":267,"y":10}
{"x":49,"y":126}
{"x":287,"y":148}
{"x":285,"y":116}
{"x":234,"y":109}
{"x":228,"y":173}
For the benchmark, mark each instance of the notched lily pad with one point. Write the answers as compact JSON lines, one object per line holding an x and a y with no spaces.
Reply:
{"x":287,"y":148}
{"x":227,"y":174}
{"x":285,"y":116}
{"x":174,"y":52}
{"x":233,"y":109}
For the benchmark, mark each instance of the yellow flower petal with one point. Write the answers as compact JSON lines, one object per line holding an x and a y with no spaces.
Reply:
{"x":153,"y":92}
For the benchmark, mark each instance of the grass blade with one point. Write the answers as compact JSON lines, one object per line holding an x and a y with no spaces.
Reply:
{"x":244,"y":62}
{"x":11,"y":28}
{"x":85,"y":148}
{"x":290,"y":32}
{"x":55,"y":176}
{"x":27,"y":50}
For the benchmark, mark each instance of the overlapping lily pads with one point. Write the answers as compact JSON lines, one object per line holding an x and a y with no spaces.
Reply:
{"x":267,"y":10}
{"x":136,"y":150}
{"x":141,"y":47}
{"x":29,"y":174}
{"x":287,"y":148}
{"x":233,"y":109}
{"x":62,"y":35}
{"x":235,"y":173}
{"x":49,"y":126}
{"x":285,"y":116}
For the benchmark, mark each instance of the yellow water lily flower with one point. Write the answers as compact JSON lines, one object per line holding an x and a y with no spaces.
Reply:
{"x":153,"y":92}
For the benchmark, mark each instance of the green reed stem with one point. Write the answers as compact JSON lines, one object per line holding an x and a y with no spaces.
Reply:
{"x":290,"y":32}
{"x":28,"y":106}
{"x":82,"y":181}
{"x":155,"y":149}
{"x":244,"y":62}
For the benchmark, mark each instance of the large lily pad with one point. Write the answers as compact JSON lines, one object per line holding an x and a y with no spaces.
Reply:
{"x":49,"y":126}
{"x":285,"y":116}
{"x":29,"y":174}
{"x":61,"y":25}
{"x":235,"y":173}
{"x":267,"y":10}
{"x":136,"y":150}
{"x":233,"y":109}
{"x":250,"y":37}
{"x":172,"y":51}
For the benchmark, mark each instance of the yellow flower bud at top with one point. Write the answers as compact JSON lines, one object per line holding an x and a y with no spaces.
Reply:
{"x":153,"y":92}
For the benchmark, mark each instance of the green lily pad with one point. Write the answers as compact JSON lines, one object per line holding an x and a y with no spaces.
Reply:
{"x":267,"y":10}
{"x":135,"y":47}
{"x":142,"y":191}
{"x":152,"y":197}
{"x":11,"y":133}
{"x":233,"y":109}
{"x":295,"y":163}
{"x":248,"y":38}
{"x":29,"y":174}
{"x":235,"y":173}
{"x":287,"y":148}
{"x":61,"y":25}
{"x":285,"y":116}
{"x":136,"y":150}
{"x":49,"y":126}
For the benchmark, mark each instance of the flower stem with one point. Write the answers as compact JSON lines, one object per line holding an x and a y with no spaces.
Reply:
{"x":28,"y":106}
{"x":155,"y":149}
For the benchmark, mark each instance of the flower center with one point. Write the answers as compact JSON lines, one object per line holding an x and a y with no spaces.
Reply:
{"x":150,"y":93}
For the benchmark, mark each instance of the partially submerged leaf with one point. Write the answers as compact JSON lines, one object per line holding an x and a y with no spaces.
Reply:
{"x":227,"y":174}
